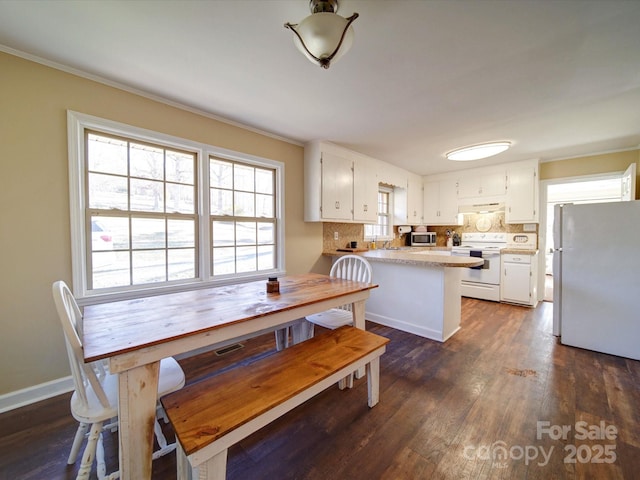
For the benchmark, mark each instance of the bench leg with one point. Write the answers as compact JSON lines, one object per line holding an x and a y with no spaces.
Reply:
{"x":215,"y":468}
{"x":373,"y":381}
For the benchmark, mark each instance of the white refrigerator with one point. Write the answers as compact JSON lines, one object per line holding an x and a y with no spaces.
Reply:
{"x":596,"y":273}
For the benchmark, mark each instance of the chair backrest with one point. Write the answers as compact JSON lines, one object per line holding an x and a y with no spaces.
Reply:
{"x":84,"y":375}
{"x":351,"y":267}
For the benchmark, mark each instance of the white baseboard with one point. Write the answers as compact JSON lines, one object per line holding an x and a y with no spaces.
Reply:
{"x":27,"y":396}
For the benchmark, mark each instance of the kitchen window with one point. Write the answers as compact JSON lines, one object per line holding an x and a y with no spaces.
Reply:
{"x":152,"y":213}
{"x":383,"y":229}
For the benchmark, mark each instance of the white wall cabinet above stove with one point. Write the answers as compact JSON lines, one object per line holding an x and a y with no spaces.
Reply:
{"x":482,"y":186}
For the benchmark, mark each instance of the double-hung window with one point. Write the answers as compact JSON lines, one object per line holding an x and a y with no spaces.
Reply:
{"x":156,"y":213}
{"x":383,"y":229}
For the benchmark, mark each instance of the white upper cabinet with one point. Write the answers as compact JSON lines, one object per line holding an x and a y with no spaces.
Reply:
{"x":339,"y":185}
{"x":522,"y":192}
{"x":365,"y":190}
{"x":408,"y":202}
{"x":415,"y":203}
{"x":481,"y":186}
{"x":441,"y":202}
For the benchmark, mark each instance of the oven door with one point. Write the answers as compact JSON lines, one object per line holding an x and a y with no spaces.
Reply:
{"x":489,"y":273}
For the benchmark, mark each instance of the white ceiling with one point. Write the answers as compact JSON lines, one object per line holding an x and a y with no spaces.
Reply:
{"x":559,"y":78}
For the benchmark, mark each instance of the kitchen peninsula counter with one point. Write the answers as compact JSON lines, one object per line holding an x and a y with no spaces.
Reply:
{"x":415,"y":256}
{"x":419,"y":289}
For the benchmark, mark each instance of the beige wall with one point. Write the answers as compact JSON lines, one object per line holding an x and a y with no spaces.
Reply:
{"x":592,"y":165}
{"x":34,"y":200}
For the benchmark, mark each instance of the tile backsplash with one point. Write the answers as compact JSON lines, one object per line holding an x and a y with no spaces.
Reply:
{"x":474,"y":222}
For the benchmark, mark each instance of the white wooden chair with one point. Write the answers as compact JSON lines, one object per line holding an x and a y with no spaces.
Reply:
{"x":351,"y":267}
{"x":95,"y":399}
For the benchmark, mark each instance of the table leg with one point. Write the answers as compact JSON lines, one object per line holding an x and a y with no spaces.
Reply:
{"x":138,"y":395}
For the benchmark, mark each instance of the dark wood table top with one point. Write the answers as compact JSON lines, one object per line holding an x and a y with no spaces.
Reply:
{"x":129,"y":325}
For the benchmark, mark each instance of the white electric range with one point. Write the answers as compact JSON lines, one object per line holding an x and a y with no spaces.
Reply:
{"x":484,"y":281}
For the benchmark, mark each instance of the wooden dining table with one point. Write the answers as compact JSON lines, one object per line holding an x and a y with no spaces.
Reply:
{"x":134,"y":335}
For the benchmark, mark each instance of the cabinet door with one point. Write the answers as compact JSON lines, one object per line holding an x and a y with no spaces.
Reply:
{"x":365,"y":192}
{"x":516,"y":282}
{"x":478,"y":186}
{"x":449,"y":202}
{"x":414,"y":201}
{"x":522,"y":195}
{"x":431,"y":204}
{"x":494,"y":184}
{"x":337,"y":187}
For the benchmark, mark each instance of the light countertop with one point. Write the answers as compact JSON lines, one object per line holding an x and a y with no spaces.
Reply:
{"x":414,"y":256}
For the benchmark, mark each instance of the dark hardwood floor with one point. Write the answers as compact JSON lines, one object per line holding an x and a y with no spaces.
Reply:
{"x":492,"y":402}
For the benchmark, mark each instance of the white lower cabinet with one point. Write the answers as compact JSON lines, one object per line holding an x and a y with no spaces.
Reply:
{"x":518,"y":283}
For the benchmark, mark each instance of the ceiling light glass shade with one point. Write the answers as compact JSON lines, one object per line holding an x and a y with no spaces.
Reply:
{"x":321,"y":34}
{"x":477,"y":152}
{"x":324,"y":36}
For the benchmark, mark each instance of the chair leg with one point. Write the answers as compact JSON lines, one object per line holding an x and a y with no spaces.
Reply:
{"x":77,"y":442}
{"x":89,"y":451}
{"x":101,"y":468}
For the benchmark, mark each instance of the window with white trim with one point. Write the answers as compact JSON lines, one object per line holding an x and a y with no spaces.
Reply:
{"x":151,"y":213}
{"x":383,"y":229}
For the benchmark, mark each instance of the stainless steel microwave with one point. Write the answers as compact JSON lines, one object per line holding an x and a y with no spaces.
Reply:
{"x":423,"y":239}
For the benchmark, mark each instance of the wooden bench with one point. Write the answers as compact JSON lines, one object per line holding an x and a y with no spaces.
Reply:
{"x":214,"y":414}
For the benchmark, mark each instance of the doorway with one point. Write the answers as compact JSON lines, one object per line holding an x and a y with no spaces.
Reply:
{"x":589,"y":189}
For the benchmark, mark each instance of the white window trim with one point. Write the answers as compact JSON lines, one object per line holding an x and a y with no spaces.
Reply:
{"x":77,"y":123}
{"x":391,"y":235}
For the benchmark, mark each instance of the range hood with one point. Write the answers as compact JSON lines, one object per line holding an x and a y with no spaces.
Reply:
{"x":481,"y":207}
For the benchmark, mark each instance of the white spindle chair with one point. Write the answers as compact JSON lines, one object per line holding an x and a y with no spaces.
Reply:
{"x":95,"y":399}
{"x":351,"y":267}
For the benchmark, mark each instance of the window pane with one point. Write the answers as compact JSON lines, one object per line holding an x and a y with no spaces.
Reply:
{"x":182,"y":264}
{"x":110,"y":269}
{"x":246,"y":233}
{"x":116,"y":227}
{"x":149,"y":266}
{"x":147,"y":195}
{"x":179,"y":167}
{"x":265,"y":233}
{"x":264,"y":206}
{"x":223,"y":234}
{"x":246,"y":259}
{"x":147,"y":233}
{"x":224,"y":261}
{"x":108,"y":192}
{"x":244,"y":204}
{"x":220,"y":174}
{"x":221,"y":202}
{"x":266,"y":257}
{"x":106,"y":154}
{"x":180,"y":198}
{"x":146,"y":162}
{"x":243,"y":178}
{"x":181,"y":233}
{"x":264,"y":181}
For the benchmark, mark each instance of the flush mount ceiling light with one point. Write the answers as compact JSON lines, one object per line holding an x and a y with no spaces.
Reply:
{"x":476,"y":152}
{"x":324,"y":36}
